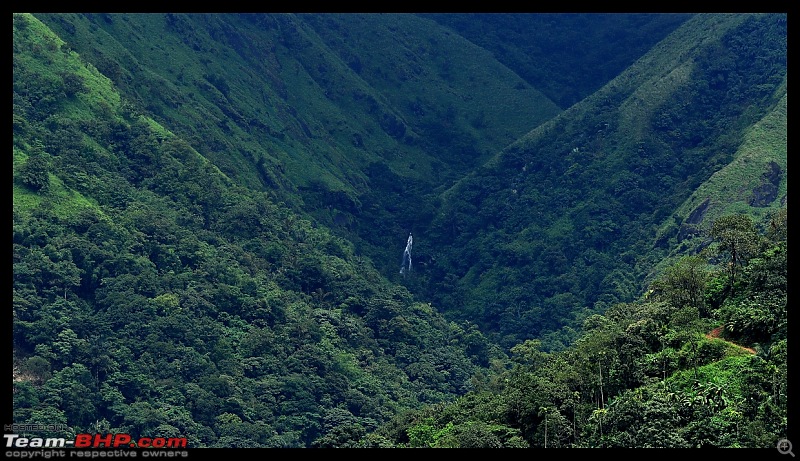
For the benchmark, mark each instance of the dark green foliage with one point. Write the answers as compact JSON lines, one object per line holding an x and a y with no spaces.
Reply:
{"x":642,"y":375}
{"x":737,"y":240}
{"x":179,"y":303}
{"x":34,"y":173}
{"x":757,"y":313}
{"x":73,"y":84}
{"x":683,"y":284}
{"x":206,"y":240}
{"x":572,"y":207}
{"x":550,"y":51}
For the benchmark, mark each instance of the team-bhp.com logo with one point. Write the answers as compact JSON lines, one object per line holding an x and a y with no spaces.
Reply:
{"x":94,"y":441}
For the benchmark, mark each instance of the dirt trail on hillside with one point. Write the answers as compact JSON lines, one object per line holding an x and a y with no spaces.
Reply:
{"x":714,"y":334}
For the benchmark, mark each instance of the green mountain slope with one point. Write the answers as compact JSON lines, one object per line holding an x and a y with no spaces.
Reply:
{"x":566,"y":56}
{"x":665,"y":371}
{"x":753,"y":183}
{"x":563,"y":222}
{"x":278,"y":88}
{"x":356,"y":119}
{"x":210,"y":209}
{"x":154,"y":295}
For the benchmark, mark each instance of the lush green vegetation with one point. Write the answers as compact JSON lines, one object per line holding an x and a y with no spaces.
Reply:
{"x":565,"y":56}
{"x":562,"y":224}
{"x":209,"y":212}
{"x":153,"y":295}
{"x":646,"y":373}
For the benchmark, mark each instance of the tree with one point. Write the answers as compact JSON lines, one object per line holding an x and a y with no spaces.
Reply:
{"x":72,"y":390}
{"x":737,"y":237}
{"x":683,"y":284}
{"x":426,"y":434}
{"x":777,"y":230}
{"x":73,"y":84}
{"x":34,"y":173}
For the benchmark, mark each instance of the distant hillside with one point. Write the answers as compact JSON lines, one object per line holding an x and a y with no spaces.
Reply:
{"x":563,"y":222}
{"x":210,"y":210}
{"x":311,"y":97}
{"x":355,"y":118}
{"x":156,"y":296}
{"x":754,"y":183}
{"x":566,"y":56}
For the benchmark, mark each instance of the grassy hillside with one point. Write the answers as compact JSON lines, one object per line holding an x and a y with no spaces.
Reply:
{"x":753,"y":183}
{"x":565,"y":56}
{"x":281,"y":87}
{"x":310,"y":107}
{"x":156,"y":296}
{"x":209,"y":213}
{"x":563,"y":222}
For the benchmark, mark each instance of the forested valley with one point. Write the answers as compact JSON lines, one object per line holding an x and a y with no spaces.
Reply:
{"x":210,"y":213}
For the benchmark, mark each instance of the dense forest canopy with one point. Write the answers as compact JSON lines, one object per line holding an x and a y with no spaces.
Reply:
{"x":565,"y":56}
{"x":567,"y":216}
{"x":210,"y":213}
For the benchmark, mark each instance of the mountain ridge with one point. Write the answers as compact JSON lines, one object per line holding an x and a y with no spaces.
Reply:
{"x":631,"y":183}
{"x":209,"y":213}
